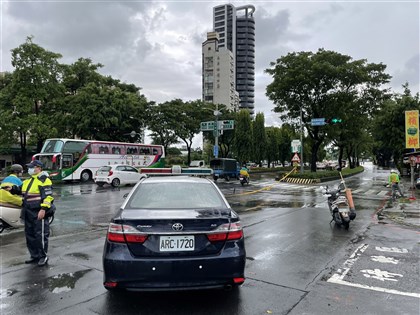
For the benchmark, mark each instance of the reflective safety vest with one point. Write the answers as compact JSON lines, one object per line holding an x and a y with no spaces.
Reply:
{"x":39,"y":194}
{"x":394,"y":178}
{"x":6,"y":199}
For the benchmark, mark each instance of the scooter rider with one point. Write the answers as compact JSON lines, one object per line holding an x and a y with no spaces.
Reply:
{"x":394,"y":180}
{"x":244,"y":171}
{"x":7,"y":198}
{"x":13,"y":178}
{"x":37,"y":200}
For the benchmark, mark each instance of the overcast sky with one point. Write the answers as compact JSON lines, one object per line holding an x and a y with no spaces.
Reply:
{"x":157,"y":44}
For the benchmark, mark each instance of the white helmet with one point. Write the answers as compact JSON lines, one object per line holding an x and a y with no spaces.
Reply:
{"x":394,"y":171}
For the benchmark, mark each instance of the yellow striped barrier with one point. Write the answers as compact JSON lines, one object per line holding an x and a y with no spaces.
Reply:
{"x":285,"y":177}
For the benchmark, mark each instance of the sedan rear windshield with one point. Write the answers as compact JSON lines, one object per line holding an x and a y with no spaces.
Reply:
{"x":104,"y":169}
{"x":174,"y":195}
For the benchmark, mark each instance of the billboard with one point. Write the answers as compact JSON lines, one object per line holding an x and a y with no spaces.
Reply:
{"x":412,"y":129}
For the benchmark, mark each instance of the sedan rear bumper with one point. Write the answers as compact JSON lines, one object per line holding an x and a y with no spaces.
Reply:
{"x":175,"y":273}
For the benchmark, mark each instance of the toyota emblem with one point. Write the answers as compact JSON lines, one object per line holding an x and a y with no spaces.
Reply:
{"x":177,"y":227}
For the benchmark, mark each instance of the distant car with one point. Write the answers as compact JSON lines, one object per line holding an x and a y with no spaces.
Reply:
{"x":117,"y":175}
{"x":198,"y":163}
{"x":174,"y":233}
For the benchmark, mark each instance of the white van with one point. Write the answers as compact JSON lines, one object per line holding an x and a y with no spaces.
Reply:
{"x":197,"y":163}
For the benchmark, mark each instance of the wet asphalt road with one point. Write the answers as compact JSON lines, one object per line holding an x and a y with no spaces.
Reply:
{"x":297,"y":263}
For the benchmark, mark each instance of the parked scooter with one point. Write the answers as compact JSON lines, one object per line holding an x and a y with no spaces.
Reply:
{"x":243,"y":179}
{"x":338,"y":204}
{"x":10,"y":218}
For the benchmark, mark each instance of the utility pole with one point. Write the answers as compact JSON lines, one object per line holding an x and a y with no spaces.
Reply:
{"x":301,"y":141}
{"x":216,"y":131}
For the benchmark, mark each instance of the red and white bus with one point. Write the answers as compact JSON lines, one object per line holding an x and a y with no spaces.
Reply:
{"x":73,"y":159}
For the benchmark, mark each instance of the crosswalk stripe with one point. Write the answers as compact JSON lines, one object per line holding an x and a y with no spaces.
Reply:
{"x":370,"y":192}
{"x":383,"y":192}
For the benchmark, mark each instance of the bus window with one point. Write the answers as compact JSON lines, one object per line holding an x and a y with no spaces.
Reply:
{"x":74,"y":146}
{"x":116,"y":150}
{"x":144,"y":150}
{"x":103,"y":150}
{"x":52,"y":146}
{"x":155,"y":151}
{"x":67,"y":161}
{"x":131,"y":150}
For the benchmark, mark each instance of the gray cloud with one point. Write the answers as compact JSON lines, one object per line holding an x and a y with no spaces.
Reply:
{"x":157,"y":45}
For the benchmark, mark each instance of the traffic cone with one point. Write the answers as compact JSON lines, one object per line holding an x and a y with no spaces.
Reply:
{"x":350,"y":198}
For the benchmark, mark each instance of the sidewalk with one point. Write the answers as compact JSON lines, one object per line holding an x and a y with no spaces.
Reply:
{"x":404,"y":210}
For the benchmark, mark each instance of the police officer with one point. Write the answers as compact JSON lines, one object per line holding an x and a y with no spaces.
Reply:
{"x":37,"y":201}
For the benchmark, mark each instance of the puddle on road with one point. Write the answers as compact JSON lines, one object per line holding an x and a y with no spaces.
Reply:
{"x":79,"y":255}
{"x":255,"y":205}
{"x":64,"y":282}
{"x":6,"y":293}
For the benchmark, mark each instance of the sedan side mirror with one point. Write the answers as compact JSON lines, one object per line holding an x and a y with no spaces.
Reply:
{"x":125,"y":196}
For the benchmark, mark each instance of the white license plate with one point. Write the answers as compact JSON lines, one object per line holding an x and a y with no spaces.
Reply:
{"x":176,"y":243}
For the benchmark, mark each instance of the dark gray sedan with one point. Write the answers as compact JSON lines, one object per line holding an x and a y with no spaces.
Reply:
{"x":174,"y":233}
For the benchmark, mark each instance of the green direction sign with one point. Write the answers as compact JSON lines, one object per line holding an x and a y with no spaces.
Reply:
{"x":221,"y":125}
{"x":207,"y":125}
{"x":227,"y":124}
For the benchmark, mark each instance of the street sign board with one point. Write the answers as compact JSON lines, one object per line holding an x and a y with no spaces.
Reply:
{"x":317,"y":121}
{"x":295,"y":146}
{"x":227,"y":124}
{"x":296,"y":158}
{"x":221,"y":125}
{"x":207,"y":125}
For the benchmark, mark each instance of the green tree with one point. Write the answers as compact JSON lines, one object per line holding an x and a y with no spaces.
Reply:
{"x":160,"y":122}
{"x":259,"y":139}
{"x":35,"y":88}
{"x":187,"y":121}
{"x":320,"y":85}
{"x":243,"y":137}
{"x":273,"y":138}
{"x":389,"y":126}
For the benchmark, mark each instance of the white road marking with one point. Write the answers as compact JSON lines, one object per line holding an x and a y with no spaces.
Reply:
{"x":370,"y":192}
{"x":341,"y":273}
{"x":391,"y":249}
{"x":336,"y":279}
{"x":385,"y":260}
{"x":380,"y":274}
{"x":383,"y":193}
{"x":357,"y":191}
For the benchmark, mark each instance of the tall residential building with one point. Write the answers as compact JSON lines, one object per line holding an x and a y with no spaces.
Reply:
{"x":236,"y":29}
{"x":218,"y":68}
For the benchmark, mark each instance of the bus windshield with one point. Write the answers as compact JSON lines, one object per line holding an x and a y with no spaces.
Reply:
{"x":52,"y":146}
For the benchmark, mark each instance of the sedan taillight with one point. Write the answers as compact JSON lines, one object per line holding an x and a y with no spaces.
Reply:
{"x":226,"y":232}
{"x":110,"y":173}
{"x":125,"y":234}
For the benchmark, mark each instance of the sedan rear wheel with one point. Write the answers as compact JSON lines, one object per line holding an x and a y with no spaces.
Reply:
{"x":115,"y":182}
